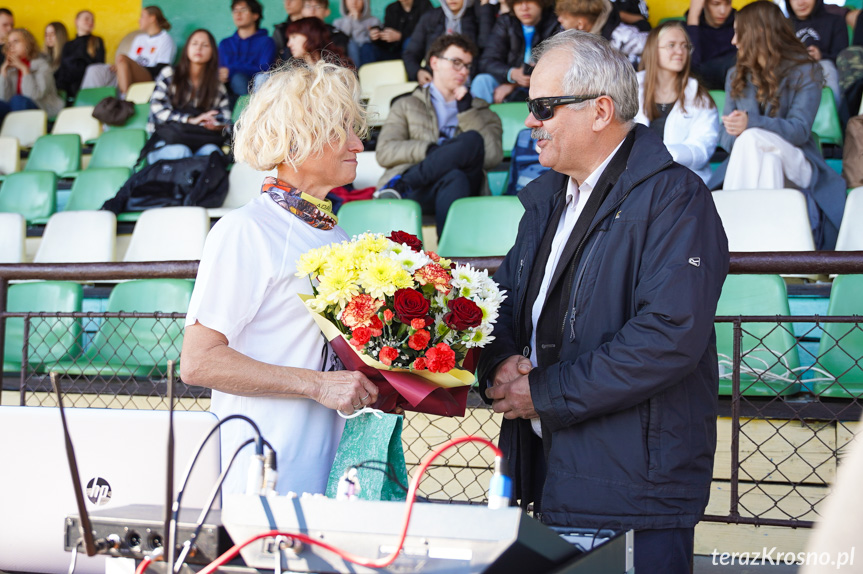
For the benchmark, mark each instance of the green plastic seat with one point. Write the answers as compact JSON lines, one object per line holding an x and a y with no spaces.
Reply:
{"x":497,"y":182}
{"x":672,"y":19}
{"x":58,"y":153}
{"x":241,"y":104}
{"x":512,"y":116}
{"x":718,"y":99}
{"x":841,"y":350}
{"x":128,"y":347}
{"x":118,"y":148}
{"x":92,"y":96}
{"x":768,"y":351}
{"x":480,"y":226}
{"x":33,"y":194}
{"x":94,"y":186}
{"x":50,"y":339}
{"x":381,"y":216}
{"x":129,"y":216}
{"x":138,"y":121}
{"x":827,"y":124}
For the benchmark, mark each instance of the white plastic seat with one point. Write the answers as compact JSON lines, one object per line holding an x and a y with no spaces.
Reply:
{"x":78,"y":237}
{"x":368,"y":170}
{"x":169,"y":234}
{"x":140,"y":92}
{"x":26,"y":125}
{"x":851,"y":231}
{"x":244,"y":184}
{"x":78,"y":120}
{"x":381,"y":73}
{"x":765,"y":219}
{"x":13,"y":234}
{"x":379,"y":102}
{"x":10,"y":155}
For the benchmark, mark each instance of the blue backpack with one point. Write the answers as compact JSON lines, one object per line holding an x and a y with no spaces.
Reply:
{"x":524,"y":164}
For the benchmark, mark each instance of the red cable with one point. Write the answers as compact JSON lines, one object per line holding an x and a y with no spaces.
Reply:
{"x":359,"y":560}
{"x":142,"y":567}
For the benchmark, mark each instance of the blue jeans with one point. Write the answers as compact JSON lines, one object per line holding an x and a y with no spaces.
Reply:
{"x":483,"y":86}
{"x":178,"y":151}
{"x":239,"y":84}
{"x":16,"y":103}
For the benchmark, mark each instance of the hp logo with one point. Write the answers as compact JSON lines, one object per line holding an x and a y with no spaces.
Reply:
{"x":99,"y":491}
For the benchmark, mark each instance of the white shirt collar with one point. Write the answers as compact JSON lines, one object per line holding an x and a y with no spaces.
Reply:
{"x":590,"y":181}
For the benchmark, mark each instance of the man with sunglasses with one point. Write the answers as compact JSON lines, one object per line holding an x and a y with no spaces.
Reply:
{"x":604,"y":361}
{"x":438,"y":140}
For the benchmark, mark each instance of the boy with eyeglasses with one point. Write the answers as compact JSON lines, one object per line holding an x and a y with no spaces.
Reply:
{"x":438,"y":140}
{"x":248,"y":52}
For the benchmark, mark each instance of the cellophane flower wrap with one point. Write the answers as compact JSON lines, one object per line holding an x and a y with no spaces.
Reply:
{"x":401,"y":308}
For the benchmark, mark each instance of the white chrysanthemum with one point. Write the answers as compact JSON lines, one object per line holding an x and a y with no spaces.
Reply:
{"x":439,"y":302}
{"x":490,"y":290}
{"x":489,"y":310}
{"x":467,"y":280}
{"x":317,"y":305}
{"x":479,"y":337}
{"x":409,"y":259}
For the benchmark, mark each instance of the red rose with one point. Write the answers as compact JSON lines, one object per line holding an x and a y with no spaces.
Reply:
{"x":376,"y":326}
{"x":463,"y":314}
{"x":360,"y":336}
{"x":440,"y":358}
{"x":388,"y":315}
{"x":419,"y":364}
{"x":387,"y":355}
{"x":410,"y":304}
{"x":419,"y":340}
{"x":411,"y":241}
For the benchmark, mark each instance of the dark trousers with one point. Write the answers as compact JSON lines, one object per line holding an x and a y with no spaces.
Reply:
{"x":667,"y":551}
{"x":16,"y":103}
{"x":712,"y":72}
{"x":449,"y":172}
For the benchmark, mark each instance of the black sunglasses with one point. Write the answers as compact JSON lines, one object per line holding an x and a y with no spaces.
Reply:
{"x":543,"y":108}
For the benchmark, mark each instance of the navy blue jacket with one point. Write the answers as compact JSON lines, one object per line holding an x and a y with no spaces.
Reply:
{"x":629,"y":410}
{"x":504,"y":48}
{"x":247,"y":56}
{"x":823,"y":29}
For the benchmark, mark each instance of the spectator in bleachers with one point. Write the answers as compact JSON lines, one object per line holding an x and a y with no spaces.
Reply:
{"x":710,"y":24}
{"x":633,"y":12}
{"x":294,"y":9}
{"x":186,"y":96}
{"x":150,"y":52}
{"x":84,"y":50}
{"x":823,"y":33}
{"x":309,"y":40}
{"x":672,"y":103}
{"x":601,"y":18}
{"x":451,"y":17}
{"x":248,"y":52}
{"x":26,"y":79}
{"x":437,"y":141}
{"x":56,"y":37}
{"x":356,"y":23}
{"x":7,"y":22}
{"x":320,"y":9}
{"x":505,"y":65}
{"x":771,"y":98}
{"x":400,"y":19}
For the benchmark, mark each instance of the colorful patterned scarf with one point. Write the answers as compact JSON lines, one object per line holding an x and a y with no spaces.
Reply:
{"x":316,"y":212}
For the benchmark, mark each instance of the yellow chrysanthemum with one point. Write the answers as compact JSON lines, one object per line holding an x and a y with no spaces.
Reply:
{"x":378,"y":276}
{"x":372,"y":243}
{"x":338,"y":285}
{"x":310,"y":263}
{"x":403,"y":279}
{"x":341,"y":256}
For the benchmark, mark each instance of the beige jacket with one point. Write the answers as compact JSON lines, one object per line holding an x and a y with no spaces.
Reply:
{"x":412,"y":125}
{"x":38,"y":85}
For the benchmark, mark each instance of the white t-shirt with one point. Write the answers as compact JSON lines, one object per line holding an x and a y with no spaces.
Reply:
{"x":246,"y":289}
{"x":149,"y":51}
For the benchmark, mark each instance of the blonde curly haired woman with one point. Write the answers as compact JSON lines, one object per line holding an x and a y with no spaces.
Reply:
{"x":248,"y":335}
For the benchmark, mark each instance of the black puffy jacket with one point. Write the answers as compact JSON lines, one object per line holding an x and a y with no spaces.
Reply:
{"x":431,"y":25}
{"x":504,"y":48}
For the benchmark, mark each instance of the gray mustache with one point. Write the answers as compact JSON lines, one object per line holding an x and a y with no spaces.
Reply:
{"x":540,"y":134}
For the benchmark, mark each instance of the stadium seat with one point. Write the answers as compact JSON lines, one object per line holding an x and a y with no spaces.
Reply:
{"x":497,"y":182}
{"x":381,"y":216}
{"x":368,"y":170}
{"x":169,"y":234}
{"x":841,"y":350}
{"x":244,"y":184}
{"x":480,"y":226}
{"x":118,"y":148}
{"x":94,"y":186}
{"x":78,"y":237}
{"x":241,"y":104}
{"x":140,"y":92}
{"x":32,"y":194}
{"x":718,"y":99}
{"x":10,"y":156}
{"x":60,"y":154}
{"x":27,"y":126}
{"x":768,"y":351}
{"x":13,"y":233}
{"x":512,"y":116}
{"x":50,"y":339}
{"x":130,"y":347}
{"x":379,"y":102}
{"x":92,"y":96}
{"x":380,"y":73}
{"x":851,"y":231}
{"x":827,"y":124}
{"x":138,"y":121}
{"x":765,"y":220}
{"x":78,"y":121}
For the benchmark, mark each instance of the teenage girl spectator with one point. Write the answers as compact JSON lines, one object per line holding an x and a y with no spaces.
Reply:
{"x":451,"y":17}
{"x":309,"y":40}
{"x":400,"y":19}
{"x":293,"y":9}
{"x":55,"y":38}
{"x":26,"y":79}
{"x":599,"y":17}
{"x":356,"y":23}
{"x":823,"y":33}
{"x":248,"y":52}
{"x":320,"y":9}
{"x":710,"y":25}
{"x":150,"y":52}
{"x":190,"y":94}
{"x":7,"y":22}
{"x":85,"y":50}
{"x":672,"y":103}
{"x":771,"y":98}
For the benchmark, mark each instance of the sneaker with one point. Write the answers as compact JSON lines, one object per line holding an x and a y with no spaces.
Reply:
{"x":387,"y":193}
{"x":395,"y":188}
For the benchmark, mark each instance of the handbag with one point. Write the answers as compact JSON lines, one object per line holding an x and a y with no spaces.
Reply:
{"x":372,"y":443}
{"x":113,"y":111}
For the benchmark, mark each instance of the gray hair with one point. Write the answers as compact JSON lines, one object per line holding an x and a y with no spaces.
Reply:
{"x":596,"y":68}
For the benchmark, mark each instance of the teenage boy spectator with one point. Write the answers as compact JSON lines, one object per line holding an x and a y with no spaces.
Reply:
{"x":823,"y":33}
{"x":249,"y":51}
{"x":437,"y":141}
{"x":452,"y":17}
{"x":710,"y":25}
{"x":633,"y":12}
{"x":599,"y":17}
{"x":320,"y":9}
{"x":7,"y":22}
{"x":293,"y":8}
{"x":400,"y":19}
{"x":355,"y":23}
{"x":505,"y":65}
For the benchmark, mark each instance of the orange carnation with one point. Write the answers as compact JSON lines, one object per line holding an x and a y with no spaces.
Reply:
{"x":360,"y":310}
{"x":440,"y":358}
{"x":387,"y":355}
{"x":434,"y":274}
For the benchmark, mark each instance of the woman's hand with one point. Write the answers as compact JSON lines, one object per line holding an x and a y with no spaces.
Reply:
{"x":345,"y":391}
{"x":4,"y":69}
{"x":735,"y":122}
{"x":224,"y":74}
{"x":815,"y":52}
{"x":207,"y":120}
{"x":15,"y":61}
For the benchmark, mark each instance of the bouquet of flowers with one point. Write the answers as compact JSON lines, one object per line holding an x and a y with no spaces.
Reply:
{"x":404,"y":316}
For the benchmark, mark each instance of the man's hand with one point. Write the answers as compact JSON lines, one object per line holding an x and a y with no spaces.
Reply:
{"x":502,"y":91}
{"x":513,"y":399}
{"x":815,"y":52}
{"x":694,"y":15}
{"x":735,"y":122}
{"x":460,"y":92}
{"x":375,"y":33}
{"x":510,"y":369}
{"x":391,"y":35}
{"x":346,"y":391}
{"x":224,"y":73}
{"x":519,"y":77}
{"x":424,"y":77}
